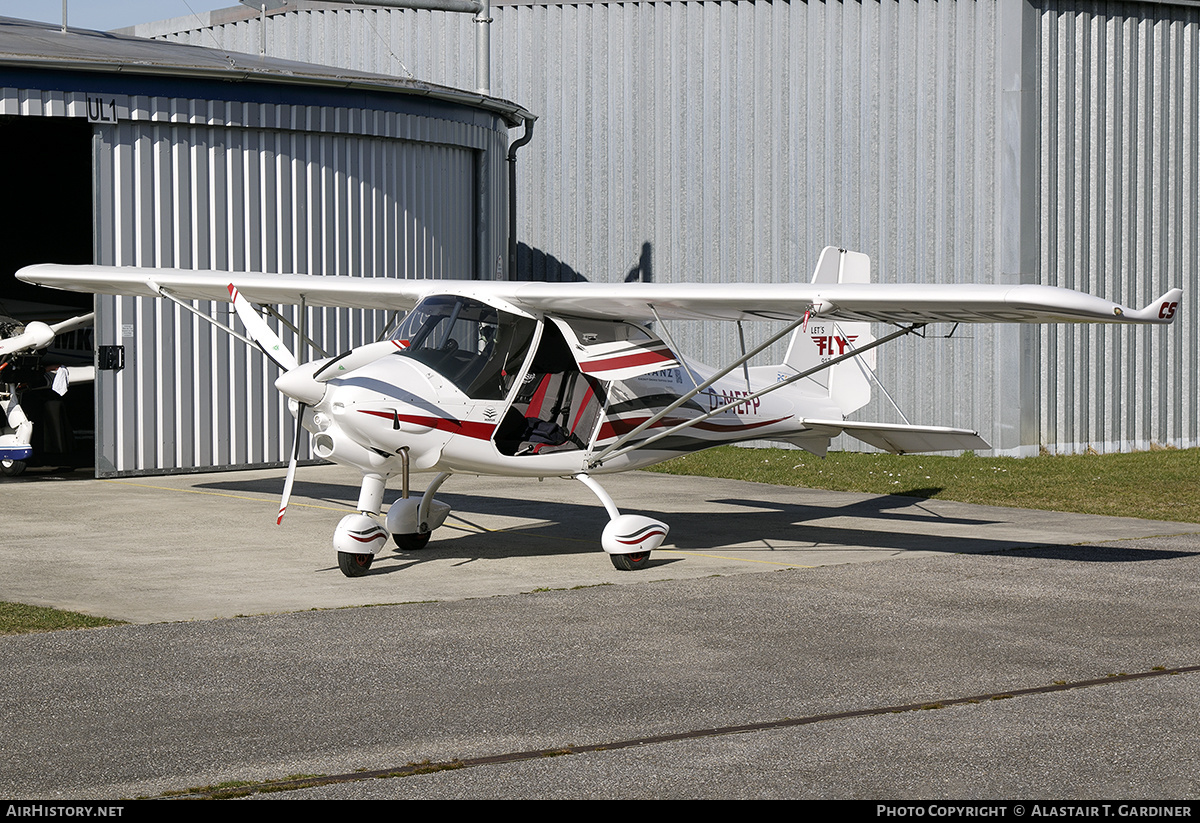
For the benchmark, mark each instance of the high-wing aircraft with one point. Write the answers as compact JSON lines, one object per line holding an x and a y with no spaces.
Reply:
{"x":568,"y":380}
{"x":22,"y":369}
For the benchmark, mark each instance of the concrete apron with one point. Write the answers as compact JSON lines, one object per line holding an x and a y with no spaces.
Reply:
{"x":202,"y":546}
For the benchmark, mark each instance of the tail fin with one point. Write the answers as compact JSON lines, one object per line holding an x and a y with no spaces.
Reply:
{"x":848,"y":383}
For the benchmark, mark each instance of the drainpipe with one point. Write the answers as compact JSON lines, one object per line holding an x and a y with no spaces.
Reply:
{"x":483,"y":49}
{"x":512,"y":196}
{"x":483,"y":79}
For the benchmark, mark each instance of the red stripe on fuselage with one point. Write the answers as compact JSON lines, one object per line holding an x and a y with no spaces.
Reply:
{"x":627,"y":361}
{"x":469,"y":428}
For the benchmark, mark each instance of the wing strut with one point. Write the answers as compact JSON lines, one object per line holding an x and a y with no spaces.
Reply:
{"x":274,"y":312}
{"x":871,"y":373}
{"x":161,"y":292}
{"x":745,"y":363}
{"x":666,"y":333}
{"x":616,"y":450}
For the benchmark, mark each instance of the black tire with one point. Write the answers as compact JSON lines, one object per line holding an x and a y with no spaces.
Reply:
{"x":412,"y":542}
{"x":354,"y":565}
{"x":630,"y":562}
{"x":12,"y":468}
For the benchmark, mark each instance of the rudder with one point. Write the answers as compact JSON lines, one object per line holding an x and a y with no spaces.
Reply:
{"x":849,"y":382}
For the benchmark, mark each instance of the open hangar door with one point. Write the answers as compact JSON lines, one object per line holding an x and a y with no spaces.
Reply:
{"x":46,"y":216}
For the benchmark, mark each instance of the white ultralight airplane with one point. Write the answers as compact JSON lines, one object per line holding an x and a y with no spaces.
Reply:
{"x":21,"y":369}
{"x":533,"y":379}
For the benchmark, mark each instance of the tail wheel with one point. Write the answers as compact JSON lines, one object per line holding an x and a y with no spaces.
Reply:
{"x":354,"y":565}
{"x":630,"y":562}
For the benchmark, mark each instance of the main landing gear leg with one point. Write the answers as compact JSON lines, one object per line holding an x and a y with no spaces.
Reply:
{"x":628,"y":538}
{"x":358,"y":538}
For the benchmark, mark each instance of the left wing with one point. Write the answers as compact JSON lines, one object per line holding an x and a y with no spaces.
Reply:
{"x":880,"y":302}
{"x":276,"y":289}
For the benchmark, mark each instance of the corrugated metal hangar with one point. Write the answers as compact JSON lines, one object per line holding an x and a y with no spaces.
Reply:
{"x":135,"y":152}
{"x":975,"y":140}
{"x":994,"y":141}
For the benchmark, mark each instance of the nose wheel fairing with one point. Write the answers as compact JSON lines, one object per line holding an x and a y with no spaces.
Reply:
{"x":357,"y":539}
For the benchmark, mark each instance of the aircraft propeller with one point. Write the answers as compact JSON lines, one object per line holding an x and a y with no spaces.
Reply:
{"x":39,"y":335}
{"x":304,"y":383}
{"x":278,"y":353}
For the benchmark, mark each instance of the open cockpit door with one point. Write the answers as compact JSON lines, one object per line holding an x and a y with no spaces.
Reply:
{"x":614,"y":349}
{"x":561,"y":398}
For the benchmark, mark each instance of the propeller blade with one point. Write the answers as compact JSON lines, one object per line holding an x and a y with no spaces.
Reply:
{"x":291,"y":472}
{"x":356,"y":358}
{"x":270,"y":345}
{"x":261,"y":333}
{"x":74,"y":323}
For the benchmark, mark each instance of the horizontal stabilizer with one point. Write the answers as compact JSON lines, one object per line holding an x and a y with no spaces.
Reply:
{"x":903,"y":439}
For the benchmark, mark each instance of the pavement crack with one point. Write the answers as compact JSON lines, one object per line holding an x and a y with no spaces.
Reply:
{"x":244,"y":789}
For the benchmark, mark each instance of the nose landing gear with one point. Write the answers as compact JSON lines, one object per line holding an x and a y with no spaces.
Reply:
{"x":410,"y":522}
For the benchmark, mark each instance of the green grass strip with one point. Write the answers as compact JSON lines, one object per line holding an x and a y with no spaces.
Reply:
{"x":1163,"y":484}
{"x":17,"y":618}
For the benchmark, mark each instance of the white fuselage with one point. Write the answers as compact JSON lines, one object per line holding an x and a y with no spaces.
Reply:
{"x":367,"y":417}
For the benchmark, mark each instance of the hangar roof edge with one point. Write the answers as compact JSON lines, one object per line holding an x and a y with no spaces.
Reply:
{"x":29,"y":44}
{"x":236,"y":13}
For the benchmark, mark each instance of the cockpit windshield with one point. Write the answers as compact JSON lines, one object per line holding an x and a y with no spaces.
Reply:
{"x":477,"y":347}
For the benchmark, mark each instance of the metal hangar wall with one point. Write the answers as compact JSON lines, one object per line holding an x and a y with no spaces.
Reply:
{"x":206,"y":159}
{"x":995,"y":141}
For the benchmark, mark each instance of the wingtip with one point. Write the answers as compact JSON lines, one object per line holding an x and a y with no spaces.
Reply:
{"x":1161,"y":311}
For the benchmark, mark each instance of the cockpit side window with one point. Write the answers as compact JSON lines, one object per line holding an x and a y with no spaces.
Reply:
{"x":477,"y":347}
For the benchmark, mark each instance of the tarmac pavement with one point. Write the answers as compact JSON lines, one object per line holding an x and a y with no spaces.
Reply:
{"x":512,"y":634}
